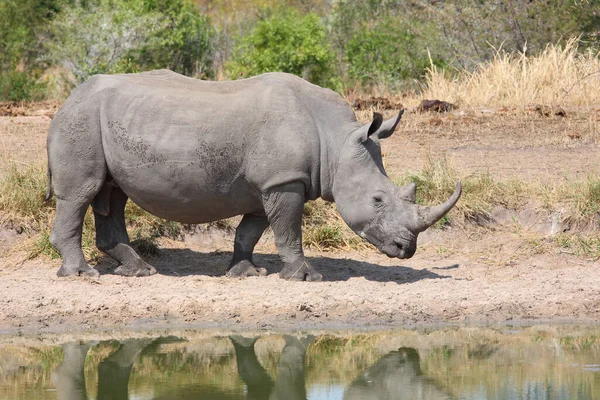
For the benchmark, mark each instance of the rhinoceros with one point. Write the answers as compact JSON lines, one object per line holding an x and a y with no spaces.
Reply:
{"x":197,"y":151}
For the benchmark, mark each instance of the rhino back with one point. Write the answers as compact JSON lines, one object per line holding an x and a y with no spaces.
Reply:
{"x":196,"y":151}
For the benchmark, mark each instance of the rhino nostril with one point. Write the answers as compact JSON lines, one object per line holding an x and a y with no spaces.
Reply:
{"x":399,"y":245}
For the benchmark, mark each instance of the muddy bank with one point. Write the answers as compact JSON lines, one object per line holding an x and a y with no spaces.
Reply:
{"x":473,"y":285}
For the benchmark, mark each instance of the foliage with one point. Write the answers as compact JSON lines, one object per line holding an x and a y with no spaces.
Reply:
{"x":113,"y":29}
{"x":20,"y":56}
{"x":472,"y":30}
{"x":20,"y":26}
{"x":386,"y":54}
{"x":20,"y":86}
{"x":387,"y":50}
{"x":131,"y":35}
{"x":184,"y":44}
{"x":363,"y":43}
{"x":286,"y":41}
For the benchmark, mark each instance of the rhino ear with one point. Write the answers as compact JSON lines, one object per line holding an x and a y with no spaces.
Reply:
{"x":385,"y":128}
{"x":378,"y":128}
{"x":376,"y":124}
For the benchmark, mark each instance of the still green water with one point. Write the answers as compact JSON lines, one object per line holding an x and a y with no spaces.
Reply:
{"x":540,"y":362}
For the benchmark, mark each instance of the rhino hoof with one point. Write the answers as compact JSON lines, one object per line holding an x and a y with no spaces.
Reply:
{"x":84,"y":270}
{"x":300,"y":271}
{"x":137,"y":268}
{"x":245,"y":268}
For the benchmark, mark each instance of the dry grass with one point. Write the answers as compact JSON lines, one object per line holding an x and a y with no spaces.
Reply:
{"x":22,"y":190}
{"x":558,"y":76}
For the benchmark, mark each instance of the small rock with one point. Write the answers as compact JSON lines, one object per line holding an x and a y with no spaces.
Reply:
{"x":436,"y":106}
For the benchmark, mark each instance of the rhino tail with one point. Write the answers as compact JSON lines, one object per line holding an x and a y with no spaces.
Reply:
{"x":49,"y":193}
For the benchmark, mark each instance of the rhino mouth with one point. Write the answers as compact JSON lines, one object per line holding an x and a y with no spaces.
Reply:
{"x":397,"y":248}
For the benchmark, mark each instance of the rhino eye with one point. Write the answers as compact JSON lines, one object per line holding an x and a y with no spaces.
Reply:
{"x":377,"y":199}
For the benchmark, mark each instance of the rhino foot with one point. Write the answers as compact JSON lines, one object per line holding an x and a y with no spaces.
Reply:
{"x":300,"y":270}
{"x":245,"y":268}
{"x":79,"y":270}
{"x":136,"y":267}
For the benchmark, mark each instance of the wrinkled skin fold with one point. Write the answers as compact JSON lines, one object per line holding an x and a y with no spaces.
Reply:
{"x":196,"y":151}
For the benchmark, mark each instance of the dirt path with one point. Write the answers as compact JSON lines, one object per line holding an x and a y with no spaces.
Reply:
{"x":459,"y":275}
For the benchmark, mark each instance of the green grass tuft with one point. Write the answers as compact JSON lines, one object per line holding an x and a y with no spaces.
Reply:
{"x":481,"y":194}
{"x":324,"y":229}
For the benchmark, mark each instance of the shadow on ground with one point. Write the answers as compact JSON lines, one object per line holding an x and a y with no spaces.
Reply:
{"x":186,"y":262}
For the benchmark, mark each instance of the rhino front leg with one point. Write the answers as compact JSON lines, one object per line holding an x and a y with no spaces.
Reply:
{"x":112,"y":238}
{"x":247,"y":235}
{"x":284,"y":206}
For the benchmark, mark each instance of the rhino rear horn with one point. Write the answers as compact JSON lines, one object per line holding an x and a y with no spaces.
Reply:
{"x":430,"y":215}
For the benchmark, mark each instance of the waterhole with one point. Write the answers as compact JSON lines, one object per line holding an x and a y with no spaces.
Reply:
{"x":537,"y":362}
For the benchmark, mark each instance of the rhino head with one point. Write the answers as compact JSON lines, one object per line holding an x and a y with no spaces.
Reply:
{"x":376,"y":209}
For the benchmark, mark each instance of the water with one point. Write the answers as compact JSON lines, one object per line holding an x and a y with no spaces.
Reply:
{"x":541,"y":362}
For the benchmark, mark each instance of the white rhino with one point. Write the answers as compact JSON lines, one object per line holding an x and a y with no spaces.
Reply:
{"x":196,"y":151}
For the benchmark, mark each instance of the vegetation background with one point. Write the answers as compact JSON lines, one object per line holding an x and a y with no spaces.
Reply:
{"x":473,"y":53}
{"x":47,"y":47}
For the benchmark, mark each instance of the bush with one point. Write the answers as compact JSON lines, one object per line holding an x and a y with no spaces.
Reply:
{"x":286,"y":41}
{"x":129,"y":36}
{"x":20,"y":86}
{"x":20,"y":22}
{"x":184,"y":44}
{"x":112,"y":30}
{"x":386,"y":54}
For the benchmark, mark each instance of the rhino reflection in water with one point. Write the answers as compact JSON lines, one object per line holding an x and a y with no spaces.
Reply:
{"x":289,"y":383}
{"x":113,"y":371}
{"x":397,"y":375}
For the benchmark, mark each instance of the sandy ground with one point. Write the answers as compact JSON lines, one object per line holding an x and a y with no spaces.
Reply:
{"x":506,"y":271}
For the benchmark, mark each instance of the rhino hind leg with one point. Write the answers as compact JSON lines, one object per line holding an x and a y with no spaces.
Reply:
{"x":66,"y":237}
{"x":112,"y":238}
{"x":247,"y":235}
{"x":284,"y":206}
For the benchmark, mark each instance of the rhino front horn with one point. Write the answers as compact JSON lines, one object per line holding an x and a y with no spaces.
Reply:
{"x":430,"y":215}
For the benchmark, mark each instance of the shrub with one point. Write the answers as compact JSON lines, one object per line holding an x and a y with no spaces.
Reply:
{"x":20,"y":86}
{"x":286,"y":41}
{"x":386,"y":54}
{"x":183,"y":44}
{"x":112,"y":31}
{"x":385,"y":50}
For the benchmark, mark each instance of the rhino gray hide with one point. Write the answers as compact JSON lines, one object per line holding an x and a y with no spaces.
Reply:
{"x":195,"y":151}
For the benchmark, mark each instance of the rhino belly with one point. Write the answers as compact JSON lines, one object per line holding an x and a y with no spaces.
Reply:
{"x":186,"y":193}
